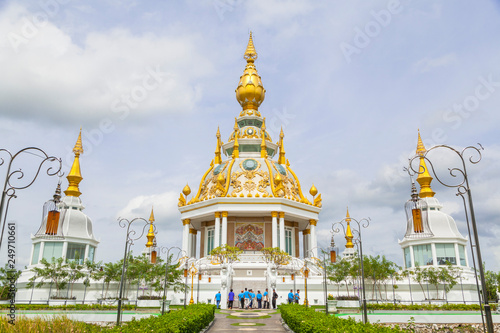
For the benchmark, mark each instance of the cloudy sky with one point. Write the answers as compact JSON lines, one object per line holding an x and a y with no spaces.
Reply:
{"x":349,"y":81}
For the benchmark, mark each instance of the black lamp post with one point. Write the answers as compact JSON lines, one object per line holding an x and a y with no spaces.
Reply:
{"x":365,"y":222}
{"x":176,"y":251}
{"x":129,"y":241}
{"x":9,"y":188}
{"x":459,"y":174}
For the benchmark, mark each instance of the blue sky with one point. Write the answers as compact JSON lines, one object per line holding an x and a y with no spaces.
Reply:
{"x":350,"y":117}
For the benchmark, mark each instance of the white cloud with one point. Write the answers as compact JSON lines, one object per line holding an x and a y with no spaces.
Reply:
{"x":428,"y":64}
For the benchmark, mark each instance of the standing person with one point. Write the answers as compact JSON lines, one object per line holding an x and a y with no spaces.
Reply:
{"x":217,"y":299}
{"x":275,"y":297}
{"x":290,"y":297}
{"x":230,"y":299}
{"x":266,"y":299}
{"x":251,"y":294}
{"x":247,"y":298}
{"x":259,"y":299}
{"x":241,"y":297}
{"x":297,"y":296}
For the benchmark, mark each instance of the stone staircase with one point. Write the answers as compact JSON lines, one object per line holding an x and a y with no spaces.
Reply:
{"x":256,"y":285}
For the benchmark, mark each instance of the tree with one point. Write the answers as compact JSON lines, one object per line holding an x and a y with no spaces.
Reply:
{"x":75,"y":272}
{"x":54,"y":271}
{"x":276,"y":256}
{"x":338,"y":272}
{"x":492,"y":280}
{"x":111,"y":272}
{"x":7,"y":275}
{"x":225,"y":254}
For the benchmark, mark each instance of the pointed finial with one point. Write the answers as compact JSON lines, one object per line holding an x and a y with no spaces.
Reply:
{"x":424,"y":177}
{"x":347,"y":217}
{"x":74,"y":176}
{"x":236,"y":147}
{"x":236,"y":127}
{"x":250,"y":53}
{"x":281,"y":158}
{"x":313,"y":191}
{"x":218,"y":158}
{"x":186,"y":190}
{"x":152,"y":216}
{"x":263,"y":150}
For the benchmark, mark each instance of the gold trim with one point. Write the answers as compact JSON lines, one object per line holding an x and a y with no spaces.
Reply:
{"x":249,"y":203}
{"x":193,"y":231}
{"x":201,"y":183}
{"x":274,"y":214}
{"x":228,"y":178}
{"x":313,"y":222}
{"x":224,"y":214}
{"x":304,"y":200}
{"x":270,"y":176}
{"x":282,"y":215}
{"x":306,"y":232}
{"x":217,"y":214}
{"x":186,"y":221}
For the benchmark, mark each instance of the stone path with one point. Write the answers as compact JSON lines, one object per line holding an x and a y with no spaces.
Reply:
{"x":247,"y":320}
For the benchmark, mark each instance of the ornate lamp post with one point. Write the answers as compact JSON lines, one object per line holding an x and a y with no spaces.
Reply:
{"x":192,"y":271}
{"x":459,"y":174}
{"x":365,"y":222}
{"x":129,"y":241}
{"x":305,"y":271}
{"x":176,"y":252}
{"x":9,"y":189}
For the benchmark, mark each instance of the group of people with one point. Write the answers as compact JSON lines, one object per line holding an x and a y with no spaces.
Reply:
{"x":247,"y":299}
{"x":293,"y":298}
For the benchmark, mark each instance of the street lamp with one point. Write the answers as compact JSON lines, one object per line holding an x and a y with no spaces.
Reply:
{"x":129,"y":241}
{"x":305,"y":271}
{"x":365,"y":222}
{"x":459,"y":174}
{"x":177,"y":252}
{"x":192,"y":271}
{"x":324,"y":254}
{"x":9,"y":189}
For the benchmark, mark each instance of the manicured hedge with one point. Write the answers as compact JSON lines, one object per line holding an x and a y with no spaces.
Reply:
{"x":306,"y":320}
{"x":190,"y":320}
{"x":432,"y":307}
{"x":67,"y":307}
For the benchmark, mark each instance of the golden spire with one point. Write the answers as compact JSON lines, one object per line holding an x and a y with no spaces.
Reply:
{"x":313,"y":191}
{"x":348,"y":232}
{"x":281,"y":158}
{"x":186,"y":190}
{"x":263,"y":150}
{"x":250,"y":92}
{"x":218,"y":159}
{"x":424,"y":178}
{"x":151,"y":234}
{"x":236,"y":148}
{"x":74,"y":176}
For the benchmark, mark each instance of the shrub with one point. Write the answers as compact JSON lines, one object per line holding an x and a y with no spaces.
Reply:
{"x":432,"y":307}
{"x":306,"y":320}
{"x":192,"y":319}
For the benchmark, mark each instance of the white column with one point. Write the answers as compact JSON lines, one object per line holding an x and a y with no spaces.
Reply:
{"x":412,"y":257}
{"x":185,"y":237}
{"x":224,"y":229}
{"x":192,"y":242}
{"x":217,"y":230}
{"x":64,"y":250}
{"x":274,"y":231}
{"x":305,"y":242}
{"x":282,"y":231}
{"x":40,"y":254}
{"x":457,"y":255}
{"x":434,"y":257}
{"x":86,"y":252}
{"x":313,"y":244}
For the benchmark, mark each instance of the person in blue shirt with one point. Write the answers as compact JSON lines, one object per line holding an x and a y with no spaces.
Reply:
{"x":259,"y":299}
{"x":290,"y":297}
{"x":266,"y":299}
{"x":297,"y":296}
{"x":241,"y":297}
{"x":230,"y":299}
{"x":252,"y":296}
{"x":247,"y":298}
{"x":217,"y":299}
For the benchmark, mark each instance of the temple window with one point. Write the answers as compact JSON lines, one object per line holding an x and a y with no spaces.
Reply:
{"x":422,"y":255}
{"x":445,"y":253}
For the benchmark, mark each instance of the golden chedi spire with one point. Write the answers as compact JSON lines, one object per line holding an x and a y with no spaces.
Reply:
{"x":151,"y":234}
{"x":348,"y":232}
{"x":218,"y":158}
{"x":424,"y":178}
{"x":281,"y":158}
{"x":74,"y":176}
{"x":250,"y":92}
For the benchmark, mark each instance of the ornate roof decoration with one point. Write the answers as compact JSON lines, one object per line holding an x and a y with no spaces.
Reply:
{"x":424,"y":178}
{"x":75,"y":176}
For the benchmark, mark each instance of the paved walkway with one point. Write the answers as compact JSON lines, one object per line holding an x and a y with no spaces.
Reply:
{"x":247,"y":320}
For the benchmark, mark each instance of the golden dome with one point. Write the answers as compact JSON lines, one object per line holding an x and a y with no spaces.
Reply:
{"x":313,"y":191}
{"x":186,"y":190}
{"x":250,"y":92}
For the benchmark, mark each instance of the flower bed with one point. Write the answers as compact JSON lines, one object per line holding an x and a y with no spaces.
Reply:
{"x":431,"y":307}
{"x":306,"y":320}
